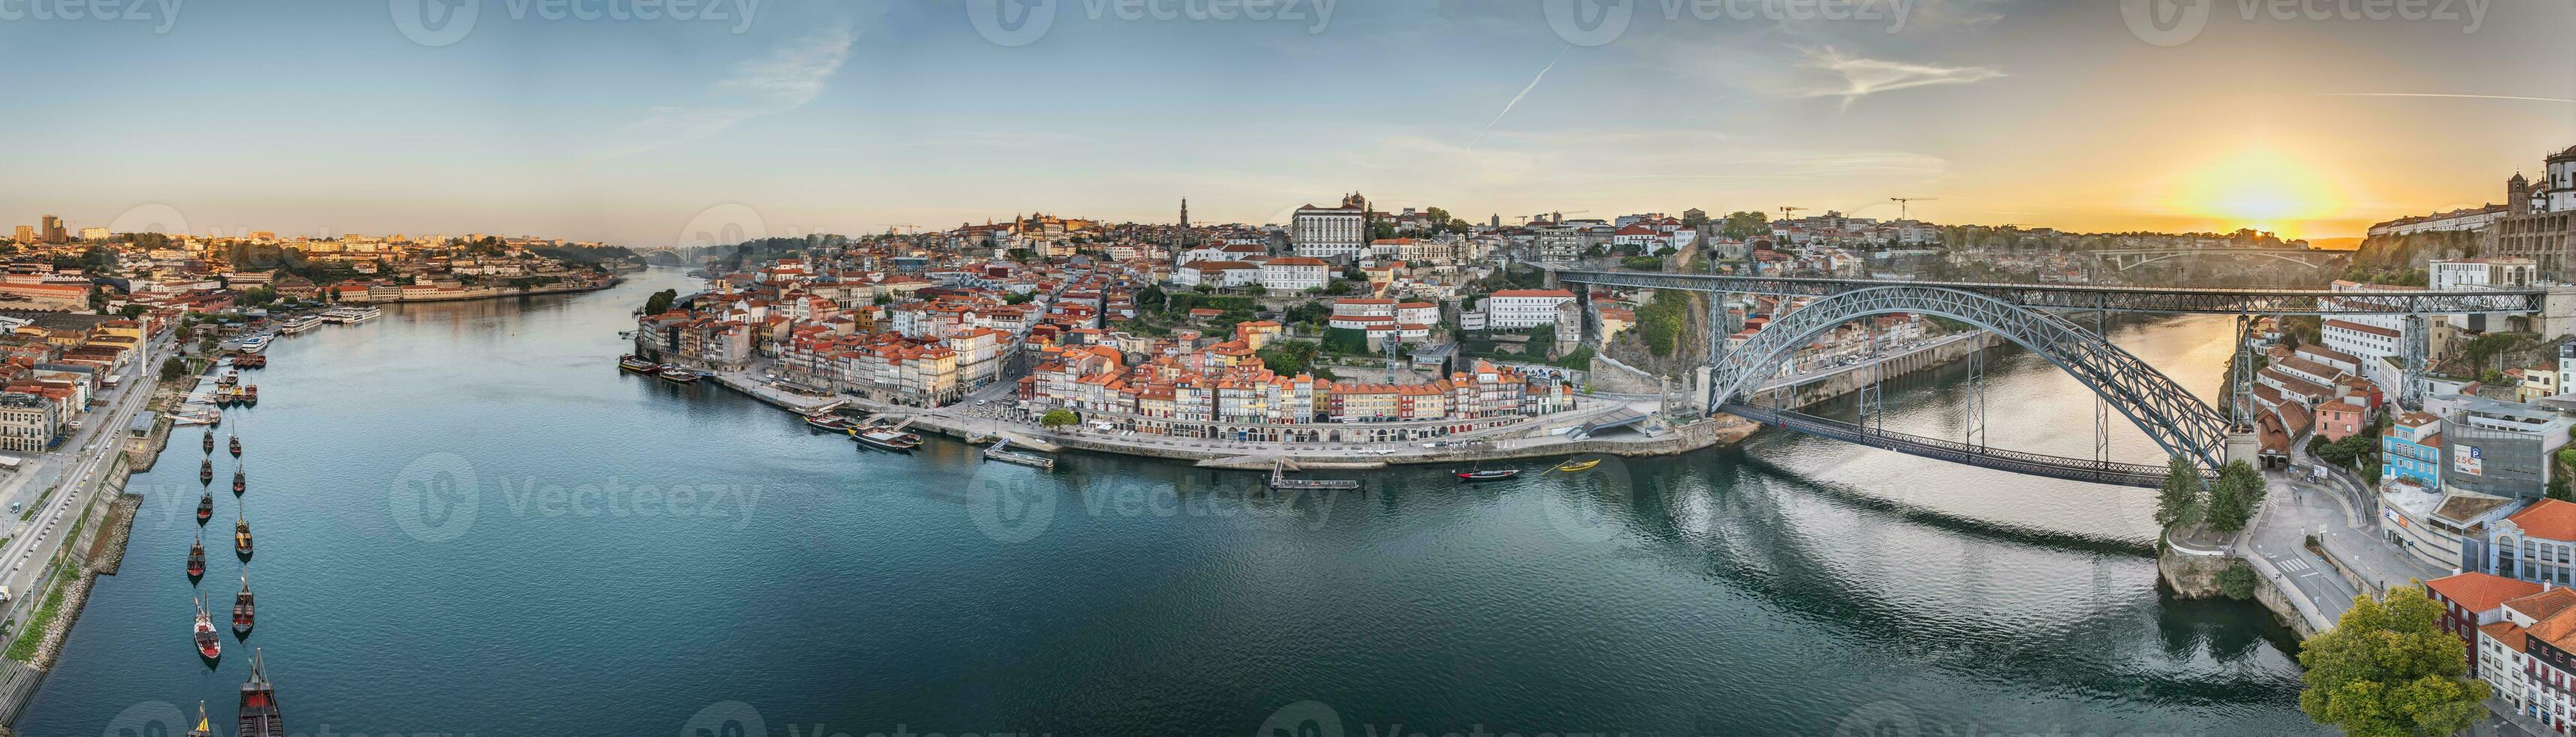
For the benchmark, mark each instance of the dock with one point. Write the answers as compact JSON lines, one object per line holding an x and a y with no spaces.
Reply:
{"x":1279,"y":480}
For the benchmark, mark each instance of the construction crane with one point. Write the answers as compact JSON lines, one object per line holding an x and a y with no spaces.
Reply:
{"x":1903,"y":203}
{"x":1791,"y":213}
{"x":916,"y":229}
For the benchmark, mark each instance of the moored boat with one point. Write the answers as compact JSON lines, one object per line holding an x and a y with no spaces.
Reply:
{"x":244,"y":616}
{"x":900,"y":442}
{"x":197,"y":558}
{"x":204,"y":728}
{"x":830,"y":423}
{"x":206,"y":473}
{"x":260,"y":716}
{"x":240,"y":482}
{"x":237,"y":446}
{"x":1571,"y":466}
{"x":205,"y":508}
{"x":676,"y":374}
{"x":250,"y":394}
{"x":637,"y":364}
{"x":241,"y":537}
{"x":1483,"y":476}
{"x":210,"y":441}
{"x":209,"y":645}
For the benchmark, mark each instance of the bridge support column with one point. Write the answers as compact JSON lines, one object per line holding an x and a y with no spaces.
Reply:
{"x":2419,"y":347}
{"x":2246,"y":448}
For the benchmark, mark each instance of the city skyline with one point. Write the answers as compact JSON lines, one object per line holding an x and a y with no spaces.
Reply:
{"x":859,"y":118}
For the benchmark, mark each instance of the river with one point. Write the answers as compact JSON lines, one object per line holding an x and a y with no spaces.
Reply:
{"x":470,"y":522}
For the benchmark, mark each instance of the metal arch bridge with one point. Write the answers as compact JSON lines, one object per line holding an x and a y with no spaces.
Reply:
{"x":2124,"y":259}
{"x":2028,"y":315}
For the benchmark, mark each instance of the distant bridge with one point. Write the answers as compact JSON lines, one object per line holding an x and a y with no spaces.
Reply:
{"x":2124,"y":259}
{"x":2032,"y":316}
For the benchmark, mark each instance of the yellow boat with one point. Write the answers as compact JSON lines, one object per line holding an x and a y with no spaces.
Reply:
{"x":1573,"y":467}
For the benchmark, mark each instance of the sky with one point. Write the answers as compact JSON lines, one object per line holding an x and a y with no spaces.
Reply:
{"x":615,"y":120}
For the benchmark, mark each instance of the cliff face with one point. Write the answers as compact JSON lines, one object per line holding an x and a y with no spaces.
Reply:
{"x":2415,"y":251}
{"x":1689,"y":328}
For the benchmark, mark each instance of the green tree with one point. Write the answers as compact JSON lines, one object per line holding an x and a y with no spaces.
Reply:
{"x":2232,"y":499}
{"x":661,"y":301}
{"x":1743,"y":225}
{"x":1291,"y":357}
{"x":1150,"y":299}
{"x":2237,"y":582}
{"x":173,"y":368}
{"x":2181,"y":492}
{"x":1058,"y":419}
{"x":1694,"y":221}
{"x":2388,"y":670}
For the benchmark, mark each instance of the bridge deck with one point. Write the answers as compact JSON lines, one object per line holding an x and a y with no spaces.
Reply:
{"x":2031,"y":464}
{"x":2117,"y":299}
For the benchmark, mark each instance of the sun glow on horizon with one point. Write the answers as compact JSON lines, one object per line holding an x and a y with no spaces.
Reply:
{"x":2261,"y":187}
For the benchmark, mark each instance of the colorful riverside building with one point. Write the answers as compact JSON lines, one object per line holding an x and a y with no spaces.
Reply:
{"x":2537,"y":544}
{"x":2412,"y":451}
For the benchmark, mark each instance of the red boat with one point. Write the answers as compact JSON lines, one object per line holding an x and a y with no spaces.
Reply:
{"x":205,"y":508}
{"x":1482,"y":476}
{"x":209,"y":644}
{"x":210,"y":441}
{"x":239,"y":482}
{"x":197,"y":559}
{"x":206,"y":472}
{"x":250,"y":394}
{"x":260,"y":716}
{"x":236,"y":446}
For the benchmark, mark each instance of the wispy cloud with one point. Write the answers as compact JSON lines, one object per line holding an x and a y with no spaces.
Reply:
{"x":788,"y":78}
{"x":1516,"y":102}
{"x":1863,"y":76}
{"x":2457,"y":97}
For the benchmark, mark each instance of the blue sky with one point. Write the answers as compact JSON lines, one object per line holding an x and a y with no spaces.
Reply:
{"x":326,"y":117}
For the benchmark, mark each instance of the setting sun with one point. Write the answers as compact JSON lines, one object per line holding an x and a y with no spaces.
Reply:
{"x":2258,"y":187}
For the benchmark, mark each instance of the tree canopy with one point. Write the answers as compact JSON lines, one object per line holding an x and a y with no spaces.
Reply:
{"x":2388,"y":670}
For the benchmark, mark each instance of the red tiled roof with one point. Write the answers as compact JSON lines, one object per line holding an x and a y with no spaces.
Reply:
{"x":2480,"y":592}
{"x":2548,"y":518}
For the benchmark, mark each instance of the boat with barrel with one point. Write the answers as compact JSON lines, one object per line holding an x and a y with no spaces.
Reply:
{"x":205,"y":508}
{"x":197,"y":558}
{"x":236,"y":445}
{"x":209,"y":645}
{"x":637,"y":364}
{"x":206,"y":472}
{"x":210,"y":441}
{"x":244,"y":615}
{"x":241,"y":536}
{"x":887,"y":439}
{"x":240,"y":482}
{"x":250,"y":395}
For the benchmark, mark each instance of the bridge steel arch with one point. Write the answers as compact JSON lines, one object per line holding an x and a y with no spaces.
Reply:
{"x":2177,"y":421}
